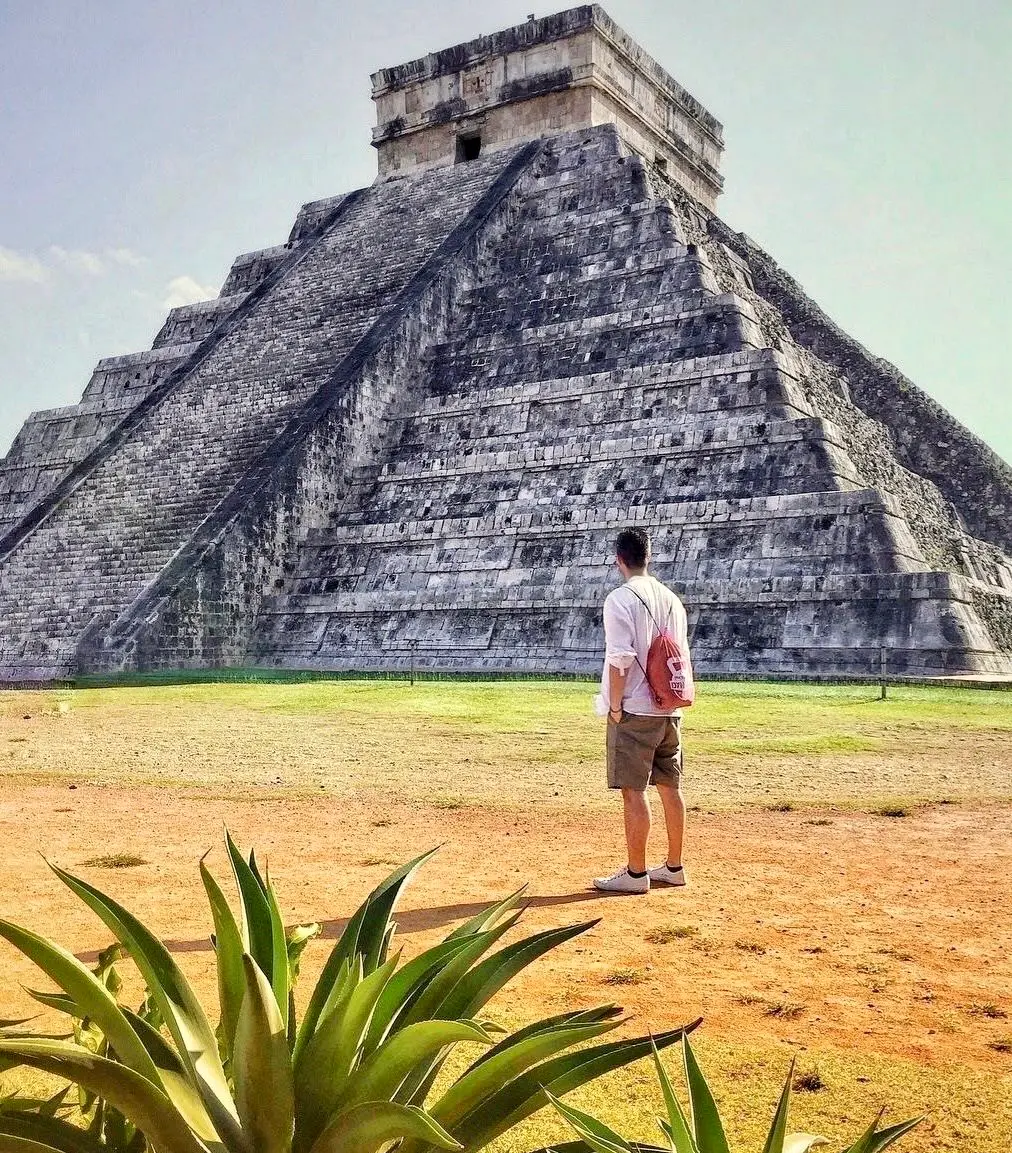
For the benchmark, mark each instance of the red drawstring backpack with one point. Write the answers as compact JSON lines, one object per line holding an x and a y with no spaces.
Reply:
{"x":669,"y":669}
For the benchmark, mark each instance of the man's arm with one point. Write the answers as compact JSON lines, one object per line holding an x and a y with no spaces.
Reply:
{"x":620,"y":652}
{"x":616,"y":691}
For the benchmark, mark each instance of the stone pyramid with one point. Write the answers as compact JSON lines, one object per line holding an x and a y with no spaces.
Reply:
{"x":410,"y":433}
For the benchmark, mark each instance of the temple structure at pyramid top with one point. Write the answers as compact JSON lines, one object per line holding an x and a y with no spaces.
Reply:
{"x":576,"y":69}
{"x":408,"y":433}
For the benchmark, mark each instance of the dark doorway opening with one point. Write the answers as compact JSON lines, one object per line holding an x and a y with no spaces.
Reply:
{"x":468,"y":148}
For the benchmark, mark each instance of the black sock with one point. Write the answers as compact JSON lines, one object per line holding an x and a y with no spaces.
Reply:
{"x":672,"y":868}
{"x":637,"y":876}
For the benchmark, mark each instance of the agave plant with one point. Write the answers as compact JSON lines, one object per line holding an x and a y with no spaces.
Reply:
{"x":355,"y":1074}
{"x":703,"y":1131}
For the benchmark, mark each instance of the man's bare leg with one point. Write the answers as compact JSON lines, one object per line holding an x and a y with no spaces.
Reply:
{"x":636,"y":812}
{"x":674,"y":820}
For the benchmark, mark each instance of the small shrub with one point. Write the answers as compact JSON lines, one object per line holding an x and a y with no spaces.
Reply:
{"x":786,"y":1010}
{"x":895,"y":811}
{"x":672,"y":933}
{"x":896,"y":954}
{"x":991,"y":1012}
{"x":749,"y":1000}
{"x":814,"y":949}
{"x":780,"y":807}
{"x":382,"y":823}
{"x":115,"y":861}
{"x":624,"y":977}
{"x":1001,"y":1044}
{"x":370,"y":861}
{"x":447,"y":803}
{"x":820,"y":821}
{"x":810,"y":1082}
{"x":750,"y":947}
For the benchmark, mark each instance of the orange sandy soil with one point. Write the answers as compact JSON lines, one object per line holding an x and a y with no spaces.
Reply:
{"x":885,"y":938}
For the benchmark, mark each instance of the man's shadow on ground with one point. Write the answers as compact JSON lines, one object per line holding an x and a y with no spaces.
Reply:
{"x":408,"y":920}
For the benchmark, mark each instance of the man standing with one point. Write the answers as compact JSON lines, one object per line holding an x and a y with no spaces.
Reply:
{"x":644,"y":741}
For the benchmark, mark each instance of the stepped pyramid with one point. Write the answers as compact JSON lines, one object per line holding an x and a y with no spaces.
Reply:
{"x":410,"y":433}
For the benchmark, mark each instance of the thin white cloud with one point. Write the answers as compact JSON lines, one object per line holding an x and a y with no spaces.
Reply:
{"x":185,"y":290}
{"x":125,"y":257}
{"x":77,"y":260}
{"x":32,"y":268}
{"x":21,"y":267}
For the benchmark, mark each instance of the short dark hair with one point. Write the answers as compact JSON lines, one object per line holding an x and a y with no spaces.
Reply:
{"x":633,"y":547}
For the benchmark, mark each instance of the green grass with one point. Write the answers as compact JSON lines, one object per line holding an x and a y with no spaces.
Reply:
{"x":665,"y":936}
{"x":784,"y":746}
{"x":115,"y":861}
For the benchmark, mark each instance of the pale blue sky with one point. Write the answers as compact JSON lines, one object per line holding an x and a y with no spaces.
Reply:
{"x":144,"y":145}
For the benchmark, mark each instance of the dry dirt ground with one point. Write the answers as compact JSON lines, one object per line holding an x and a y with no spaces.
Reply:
{"x":876,"y":948}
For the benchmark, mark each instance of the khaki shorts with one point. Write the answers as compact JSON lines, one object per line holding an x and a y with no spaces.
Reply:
{"x":644,"y":751}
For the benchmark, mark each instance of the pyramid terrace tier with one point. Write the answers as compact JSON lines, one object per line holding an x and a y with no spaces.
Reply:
{"x":586,"y":468}
{"x":571,"y":541}
{"x":809,"y":626}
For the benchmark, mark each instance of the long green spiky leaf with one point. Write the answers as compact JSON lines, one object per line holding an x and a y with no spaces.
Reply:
{"x":280,"y":979}
{"x":10,"y":1144}
{"x":58,"y":1001}
{"x":470,"y":990}
{"x":52,"y":1131}
{"x":88,"y":993}
{"x":372,"y":936}
{"x":433,"y":998}
{"x":596,"y":1134}
{"x":404,"y":985}
{"x":583,"y":1147}
{"x":140,"y":1101}
{"x":313,"y":1066}
{"x":707,"y":1127}
{"x":177,"y":1085}
{"x":548,"y":1025}
{"x":489,"y":916}
{"x":873,"y":1139}
{"x":885,"y":1137}
{"x":179,"y":1007}
{"x":262,"y":1069}
{"x":477,"y":988}
{"x":778,"y":1129}
{"x":864,"y":1143}
{"x":228,"y":948}
{"x":524,"y":1095}
{"x":324,"y":1068}
{"x":368,"y":1127}
{"x":363,"y":934}
{"x":677,"y":1129}
{"x":481,"y":1081}
{"x":256,"y":913}
{"x":382,"y":1075}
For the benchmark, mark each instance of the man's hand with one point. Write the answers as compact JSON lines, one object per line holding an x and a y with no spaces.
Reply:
{"x":615,"y":715}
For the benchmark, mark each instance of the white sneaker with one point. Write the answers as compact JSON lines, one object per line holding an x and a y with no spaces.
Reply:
{"x":622,"y":882}
{"x":665,"y":876}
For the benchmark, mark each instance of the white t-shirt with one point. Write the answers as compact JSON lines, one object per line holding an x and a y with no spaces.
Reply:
{"x":628,"y":633}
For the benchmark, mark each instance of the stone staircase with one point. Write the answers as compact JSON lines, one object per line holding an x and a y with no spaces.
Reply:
{"x":112,"y":523}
